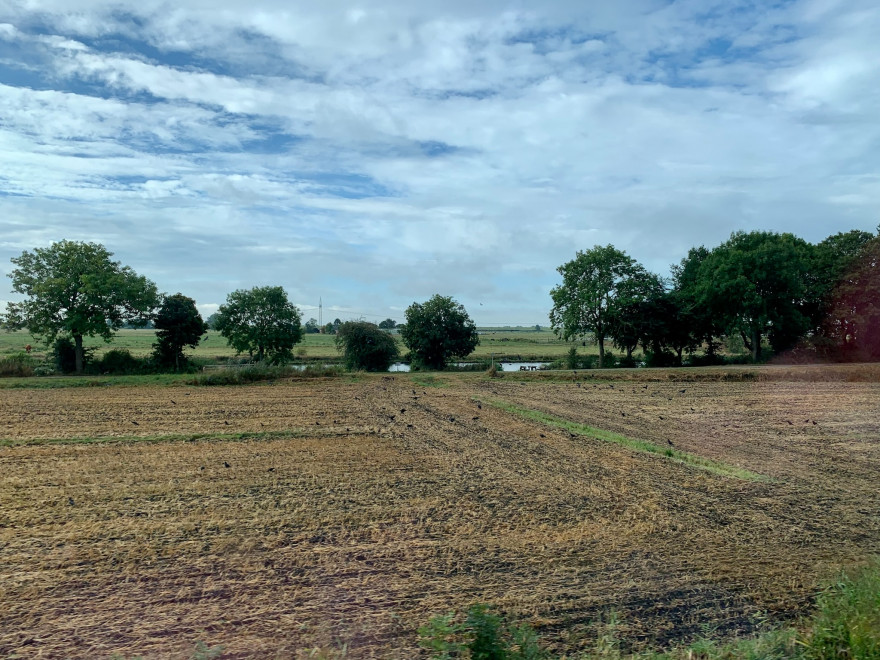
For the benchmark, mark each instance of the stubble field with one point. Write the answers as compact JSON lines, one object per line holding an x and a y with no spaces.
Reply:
{"x":342,"y":513}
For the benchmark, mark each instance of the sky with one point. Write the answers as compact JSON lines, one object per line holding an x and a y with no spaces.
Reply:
{"x":372,"y":155}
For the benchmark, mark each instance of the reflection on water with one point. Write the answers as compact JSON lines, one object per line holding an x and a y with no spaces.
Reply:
{"x":505,"y":366}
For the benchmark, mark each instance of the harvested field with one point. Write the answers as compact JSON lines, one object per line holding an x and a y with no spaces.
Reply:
{"x":273,"y":519}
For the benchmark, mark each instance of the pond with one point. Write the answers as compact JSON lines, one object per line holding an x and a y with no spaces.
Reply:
{"x":505,"y":366}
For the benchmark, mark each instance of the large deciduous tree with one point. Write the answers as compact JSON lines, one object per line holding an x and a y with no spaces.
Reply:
{"x":178,"y":324}
{"x":756,"y":285}
{"x":856,"y":302}
{"x":365,"y":346}
{"x":74,"y":289}
{"x":438,"y":330}
{"x":595,"y":285}
{"x":261,"y":322}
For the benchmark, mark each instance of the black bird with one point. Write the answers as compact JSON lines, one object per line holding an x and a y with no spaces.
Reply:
{"x":202,"y":468}
{"x":452,"y":419}
{"x":271,"y":470}
{"x":227,"y":465}
{"x":402,"y":410}
{"x":670,"y":443}
{"x":261,"y":424}
{"x":660,"y":416}
{"x":814,"y":422}
{"x":414,"y":391}
{"x":186,"y":394}
{"x":790,"y":423}
{"x":645,"y":387}
{"x":543,"y":436}
{"x":135,"y":423}
{"x":174,"y":402}
{"x":475,"y":418}
{"x":683,"y":391}
{"x":623,"y":414}
{"x":226,"y":422}
{"x":479,"y":405}
{"x":391,"y":417}
{"x":578,"y":384}
{"x":70,"y":501}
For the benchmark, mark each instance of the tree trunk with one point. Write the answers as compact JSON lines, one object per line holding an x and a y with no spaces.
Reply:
{"x":678,"y":352}
{"x":78,"y":352}
{"x":756,"y":345}
{"x":601,"y":341}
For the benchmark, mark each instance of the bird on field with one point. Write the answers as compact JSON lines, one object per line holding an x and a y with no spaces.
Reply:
{"x":661,"y":416}
{"x":226,"y":465}
{"x":261,"y":424}
{"x":475,"y":418}
{"x":578,"y":384}
{"x":542,"y":435}
{"x":135,"y":423}
{"x":479,"y":405}
{"x":402,"y":410}
{"x":670,"y":442}
{"x":789,"y":422}
{"x":174,"y":402}
{"x":683,"y":391}
{"x":271,"y":470}
{"x":226,"y":422}
{"x":645,"y":387}
{"x":815,"y":422}
{"x":70,"y":501}
{"x":622,"y":414}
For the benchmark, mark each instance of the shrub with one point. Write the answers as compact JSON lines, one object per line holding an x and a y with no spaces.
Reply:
{"x":120,"y":362}
{"x":365,"y":347}
{"x":480,"y":635}
{"x":20,"y":364}
{"x":63,"y":354}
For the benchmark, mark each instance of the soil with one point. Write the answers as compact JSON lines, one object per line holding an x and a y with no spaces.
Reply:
{"x":344,"y":513}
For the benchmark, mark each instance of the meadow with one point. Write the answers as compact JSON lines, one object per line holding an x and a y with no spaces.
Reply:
{"x":333,"y":517}
{"x":513,"y":344}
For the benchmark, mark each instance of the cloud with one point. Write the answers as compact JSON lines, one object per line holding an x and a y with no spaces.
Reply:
{"x":381,"y":154}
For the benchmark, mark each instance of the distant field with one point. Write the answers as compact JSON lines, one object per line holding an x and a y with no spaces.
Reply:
{"x":505,"y":344}
{"x":342,"y":513}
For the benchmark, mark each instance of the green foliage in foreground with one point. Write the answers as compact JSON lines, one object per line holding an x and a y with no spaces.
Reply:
{"x":845,"y":626}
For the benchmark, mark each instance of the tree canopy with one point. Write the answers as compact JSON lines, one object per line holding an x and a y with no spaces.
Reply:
{"x":755,"y":284}
{"x":261,"y":322}
{"x":596,"y":285}
{"x":74,"y":289}
{"x":438,"y":330}
{"x":178,"y":324}
{"x":365,"y":346}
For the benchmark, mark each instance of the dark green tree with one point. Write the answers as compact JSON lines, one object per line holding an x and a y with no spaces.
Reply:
{"x":438,"y":330}
{"x":74,"y":289}
{"x":856,"y":306}
{"x":388,"y":324}
{"x":365,"y":346}
{"x":594,"y":286}
{"x":695,"y":324}
{"x":632,"y":317}
{"x":756,"y":285}
{"x":178,"y":324}
{"x":311,"y":327}
{"x":262,"y":322}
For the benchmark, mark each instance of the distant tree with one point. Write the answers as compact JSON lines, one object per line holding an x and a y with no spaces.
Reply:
{"x":262,"y":322}
{"x":438,"y":330}
{"x":856,"y":307}
{"x":311,"y":327}
{"x":388,"y":324}
{"x":328,"y":329}
{"x":74,"y":289}
{"x":365,"y":346}
{"x":695,"y":324}
{"x":756,"y":284}
{"x":211,"y":321}
{"x":633,"y":317}
{"x":594,"y":285}
{"x":178,"y":324}
{"x":832,"y":259}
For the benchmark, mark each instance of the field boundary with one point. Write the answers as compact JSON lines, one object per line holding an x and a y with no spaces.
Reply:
{"x":670,"y":453}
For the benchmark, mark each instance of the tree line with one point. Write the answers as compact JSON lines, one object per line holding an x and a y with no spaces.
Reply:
{"x":821,"y":300}
{"x":760,"y":287}
{"x":74,"y":290}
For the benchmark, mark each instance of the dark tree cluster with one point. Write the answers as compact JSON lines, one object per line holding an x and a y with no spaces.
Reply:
{"x":759,"y":288}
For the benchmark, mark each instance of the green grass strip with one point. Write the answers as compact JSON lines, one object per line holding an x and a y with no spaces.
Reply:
{"x":171,"y":437}
{"x":716,"y":467}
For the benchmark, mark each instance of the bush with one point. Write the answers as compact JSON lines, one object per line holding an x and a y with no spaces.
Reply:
{"x":20,"y":364}
{"x":480,"y":635}
{"x":661,"y":359}
{"x":63,"y":354}
{"x":259,"y":373}
{"x":120,"y":362}
{"x":365,"y":347}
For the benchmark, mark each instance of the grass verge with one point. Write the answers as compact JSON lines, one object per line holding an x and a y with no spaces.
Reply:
{"x":693,"y":460}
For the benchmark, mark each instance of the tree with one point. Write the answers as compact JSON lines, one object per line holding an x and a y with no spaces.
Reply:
{"x":211,"y":321}
{"x":388,"y":324}
{"x":365,"y":346}
{"x":632,"y":318}
{"x":178,"y":324}
{"x":594,"y":286}
{"x":694,"y":324}
{"x":260,"y":321}
{"x":856,"y":306}
{"x":74,"y":289}
{"x":311,"y":327}
{"x":756,"y":284}
{"x":438,"y":330}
